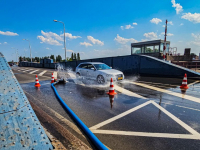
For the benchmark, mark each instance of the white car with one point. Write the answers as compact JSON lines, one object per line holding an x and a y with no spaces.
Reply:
{"x":99,"y":72}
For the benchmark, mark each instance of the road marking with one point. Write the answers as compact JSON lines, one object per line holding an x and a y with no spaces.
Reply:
{"x":146,"y":134}
{"x":119,"y":116}
{"x":188,"y":107}
{"x":188,"y":128}
{"x":27,"y":70}
{"x":195,"y":134}
{"x":191,"y":98}
{"x":127,"y":92}
{"x":33,"y":71}
{"x":193,"y":83}
{"x":42,"y":73}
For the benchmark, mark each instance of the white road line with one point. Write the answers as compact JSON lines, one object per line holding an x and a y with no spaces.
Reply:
{"x":146,"y":134}
{"x":42,"y":73}
{"x":33,"y":71}
{"x":27,"y":70}
{"x":119,"y":116}
{"x":188,"y":128}
{"x":129,"y":93}
{"x":191,"y":98}
{"x":188,"y":107}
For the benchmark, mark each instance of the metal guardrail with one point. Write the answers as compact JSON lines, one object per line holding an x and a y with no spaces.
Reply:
{"x":19,"y":126}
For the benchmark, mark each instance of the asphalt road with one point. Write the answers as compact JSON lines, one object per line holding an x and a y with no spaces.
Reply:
{"x":147,"y":113}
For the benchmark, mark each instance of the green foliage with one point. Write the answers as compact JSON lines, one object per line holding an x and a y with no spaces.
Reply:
{"x":78,"y":56}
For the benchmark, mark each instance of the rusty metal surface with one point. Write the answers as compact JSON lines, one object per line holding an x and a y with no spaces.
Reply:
{"x":19,"y":126}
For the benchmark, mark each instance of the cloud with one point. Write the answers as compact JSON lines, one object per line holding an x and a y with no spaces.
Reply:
{"x":70,"y":36}
{"x":195,"y":18}
{"x":150,"y":36}
{"x":50,"y":38}
{"x":177,"y":7}
{"x":122,"y":40}
{"x":8,"y":33}
{"x":53,"y":38}
{"x":86,"y":44}
{"x":95,"y":41}
{"x":70,"y":50}
{"x":196,"y":39}
{"x":168,"y":34}
{"x":163,"y":26}
{"x":170,"y":23}
{"x":155,"y":20}
{"x":128,"y":27}
{"x":181,"y":24}
{"x":48,"y":48}
{"x":5,"y":43}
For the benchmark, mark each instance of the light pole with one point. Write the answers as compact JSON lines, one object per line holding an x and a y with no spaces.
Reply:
{"x":29,"y":48}
{"x":64,"y":38}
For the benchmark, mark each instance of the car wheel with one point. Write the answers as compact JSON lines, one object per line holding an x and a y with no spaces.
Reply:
{"x":100,"y":79}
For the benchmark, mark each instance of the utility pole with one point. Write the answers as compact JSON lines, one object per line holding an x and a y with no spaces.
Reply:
{"x":164,"y":53}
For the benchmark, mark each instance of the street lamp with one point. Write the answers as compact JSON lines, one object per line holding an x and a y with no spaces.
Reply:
{"x":29,"y":48}
{"x":64,"y":38}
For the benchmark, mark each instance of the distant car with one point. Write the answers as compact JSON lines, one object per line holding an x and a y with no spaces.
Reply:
{"x":99,"y":72}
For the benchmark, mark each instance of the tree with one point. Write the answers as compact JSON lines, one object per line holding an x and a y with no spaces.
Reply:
{"x":20,"y":58}
{"x":58,"y":58}
{"x":74,"y":56}
{"x":52,"y":57}
{"x":78,"y":56}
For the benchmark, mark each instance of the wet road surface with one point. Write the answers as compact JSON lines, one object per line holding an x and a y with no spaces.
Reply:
{"x":162,"y":118}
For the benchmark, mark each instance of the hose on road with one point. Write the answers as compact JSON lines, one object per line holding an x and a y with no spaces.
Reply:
{"x":97,"y":143}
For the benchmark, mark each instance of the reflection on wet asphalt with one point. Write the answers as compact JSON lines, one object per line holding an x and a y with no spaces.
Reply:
{"x":91,"y":103}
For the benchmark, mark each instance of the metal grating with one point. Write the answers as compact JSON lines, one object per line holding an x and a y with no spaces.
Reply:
{"x":19,"y":126}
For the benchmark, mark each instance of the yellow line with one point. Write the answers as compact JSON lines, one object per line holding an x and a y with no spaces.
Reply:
{"x":127,"y":92}
{"x":191,"y":98}
{"x":193,"y":83}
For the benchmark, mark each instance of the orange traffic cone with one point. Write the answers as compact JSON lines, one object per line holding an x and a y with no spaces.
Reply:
{"x":37,"y":84}
{"x":111,"y":90}
{"x":184,"y":83}
{"x":52,"y":78}
{"x":111,"y":93}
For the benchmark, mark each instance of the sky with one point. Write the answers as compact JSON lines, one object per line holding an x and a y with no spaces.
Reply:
{"x":95,"y":28}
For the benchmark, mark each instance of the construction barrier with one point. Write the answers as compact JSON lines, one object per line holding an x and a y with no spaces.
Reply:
{"x":84,"y":128}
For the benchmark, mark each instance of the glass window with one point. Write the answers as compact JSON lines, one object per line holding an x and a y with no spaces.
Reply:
{"x":156,"y":48}
{"x":167,"y":48}
{"x":149,"y":49}
{"x":90,"y":66}
{"x":101,"y":66}
{"x":136,"y":50}
{"x":161,"y":47}
{"x":84,"y":66}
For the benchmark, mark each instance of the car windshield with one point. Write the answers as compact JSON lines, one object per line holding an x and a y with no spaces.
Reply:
{"x":101,"y":66}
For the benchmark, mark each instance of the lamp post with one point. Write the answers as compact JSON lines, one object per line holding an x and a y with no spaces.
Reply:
{"x":29,"y":48}
{"x":64,"y":38}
